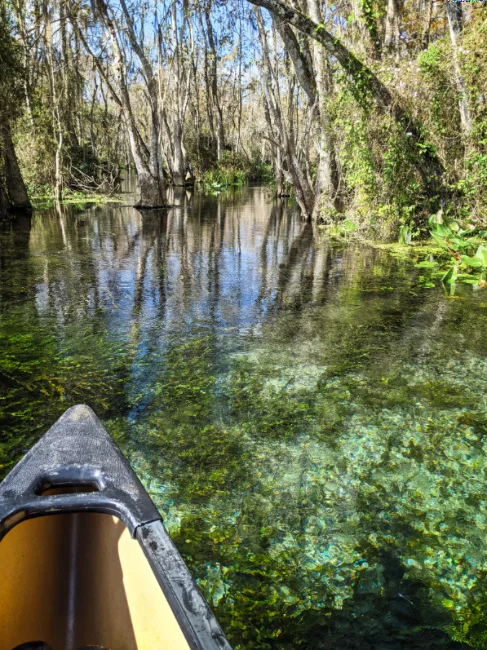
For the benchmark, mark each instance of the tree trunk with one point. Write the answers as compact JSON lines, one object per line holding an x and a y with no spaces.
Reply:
{"x":455,"y":23}
{"x":290,"y":166}
{"x":15,"y":185}
{"x":55,"y":102}
{"x":151,"y":182}
{"x":367,"y":84}
{"x":178,"y":171}
{"x":150,"y":192}
{"x":393,"y":25}
{"x":220,"y":130}
{"x":428,"y":17}
{"x":327,"y":180}
{"x":368,"y":28}
{"x":5,"y":204}
{"x":280,"y":189}
{"x":181,"y":66}
{"x":302,"y":64}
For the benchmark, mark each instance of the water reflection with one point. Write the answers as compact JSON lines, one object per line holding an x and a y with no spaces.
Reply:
{"x":310,"y":423}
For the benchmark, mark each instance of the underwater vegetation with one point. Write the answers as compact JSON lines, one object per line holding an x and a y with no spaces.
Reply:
{"x":320,"y":499}
{"x":309,"y":419}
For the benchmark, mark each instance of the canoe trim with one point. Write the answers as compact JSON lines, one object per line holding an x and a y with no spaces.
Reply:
{"x":76,"y":451}
{"x":197,"y":621}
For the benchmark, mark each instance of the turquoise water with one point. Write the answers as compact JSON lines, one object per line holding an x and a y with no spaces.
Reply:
{"x":309,"y":420}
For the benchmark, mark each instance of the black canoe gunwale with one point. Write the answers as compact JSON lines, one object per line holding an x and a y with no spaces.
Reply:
{"x":77,"y":452}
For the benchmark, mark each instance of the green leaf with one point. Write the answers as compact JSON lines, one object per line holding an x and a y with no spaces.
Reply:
{"x":426,"y":264}
{"x":349,"y":226}
{"x":439,"y":240}
{"x":481,"y":255}
{"x":459,"y":243}
{"x":405,"y":235}
{"x":471,"y":261}
{"x":435,"y":219}
{"x":440,"y":230}
{"x":450,"y":276}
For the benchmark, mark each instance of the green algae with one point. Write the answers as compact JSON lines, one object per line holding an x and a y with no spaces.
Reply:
{"x":315,"y":443}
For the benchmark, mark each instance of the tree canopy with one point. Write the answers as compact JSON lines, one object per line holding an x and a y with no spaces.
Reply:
{"x":366,"y":108}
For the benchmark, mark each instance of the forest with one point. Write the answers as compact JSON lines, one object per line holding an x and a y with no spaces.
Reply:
{"x":370,"y":114}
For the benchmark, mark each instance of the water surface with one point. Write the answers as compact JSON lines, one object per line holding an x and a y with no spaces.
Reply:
{"x":311,"y":423}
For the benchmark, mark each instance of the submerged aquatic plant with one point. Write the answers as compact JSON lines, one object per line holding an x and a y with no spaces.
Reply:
{"x":322,"y":492}
{"x":310,"y":424}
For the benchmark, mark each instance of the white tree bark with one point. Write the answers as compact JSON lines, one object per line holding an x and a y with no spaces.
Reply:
{"x":455,"y":23}
{"x":428,"y":163}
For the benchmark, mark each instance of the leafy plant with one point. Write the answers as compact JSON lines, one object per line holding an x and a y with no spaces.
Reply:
{"x":466,"y":249}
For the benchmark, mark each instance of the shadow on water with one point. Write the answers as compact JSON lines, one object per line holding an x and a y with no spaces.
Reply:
{"x":308,"y":420}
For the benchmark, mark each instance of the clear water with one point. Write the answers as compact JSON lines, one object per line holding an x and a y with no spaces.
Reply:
{"x":311,"y":423}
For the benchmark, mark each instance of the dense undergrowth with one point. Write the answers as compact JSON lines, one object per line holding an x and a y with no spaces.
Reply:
{"x":383,"y":189}
{"x":382,"y":193}
{"x":235,"y":170}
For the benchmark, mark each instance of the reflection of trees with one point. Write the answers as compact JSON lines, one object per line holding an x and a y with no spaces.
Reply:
{"x":135,"y":313}
{"x":270,"y":241}
{"x":297,"y":268}
{"x":300,"y":264}
{"x":14,"y":247}
{"x":113,"y":274}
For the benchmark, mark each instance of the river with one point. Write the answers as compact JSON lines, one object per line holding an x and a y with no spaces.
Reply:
{"x":310,"y":421}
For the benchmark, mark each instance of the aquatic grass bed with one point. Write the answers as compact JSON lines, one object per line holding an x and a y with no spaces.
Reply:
{"x":325,"y":494}
{"x":309,"y":420}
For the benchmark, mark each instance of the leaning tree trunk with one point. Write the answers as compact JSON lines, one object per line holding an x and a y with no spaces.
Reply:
{"x":367,"y":84}
{"x":313,"y":80}
{"x":327,"y":177}
{"x":282,"y":132}
{"x":15,"y":185}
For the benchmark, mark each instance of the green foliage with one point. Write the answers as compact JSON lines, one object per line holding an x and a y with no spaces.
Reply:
{"x":86,"y":169}
{"x":12,"y":76}
{"x":357,"y":159}
{"x":465,"y":252}
{"x":465,"y":161}
{"x":201,"y":151}
{"x":379,"y":171}
{"x":431,"y":61}
{"x":340,"y":229}
{"x":263,"y":173}
{"x":405,"y":235}
{"x":232,"y":170}
{"x":11,"y":70}
{"x":383,"y":191}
